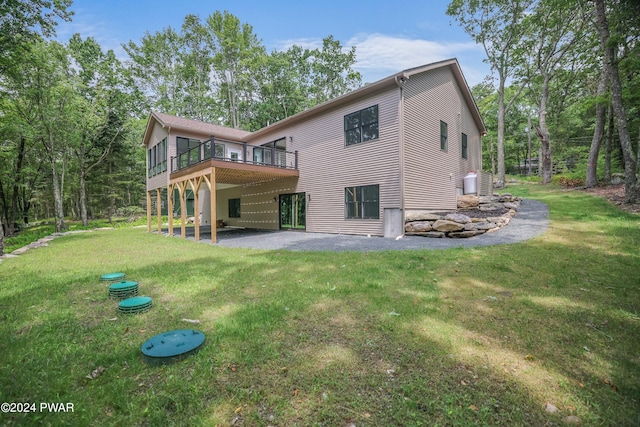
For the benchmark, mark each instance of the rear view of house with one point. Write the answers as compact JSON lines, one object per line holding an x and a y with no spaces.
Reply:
{"x":357,"y":164}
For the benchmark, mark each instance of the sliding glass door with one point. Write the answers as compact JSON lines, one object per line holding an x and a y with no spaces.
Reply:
{"x":293,"y":211}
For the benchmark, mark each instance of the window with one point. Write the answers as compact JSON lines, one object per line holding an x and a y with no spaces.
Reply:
{"x":362,"y":202}
{"x":149,"y":163}
{"x":361,"y":126}
{"x":464,"y":145}
{"x":443,"y":135}
{"x":188,"y":151}
{"x":234,"y":155}
{"x":162,"y":155}
{"x":218,"y":150}
{"x":234,"y":208}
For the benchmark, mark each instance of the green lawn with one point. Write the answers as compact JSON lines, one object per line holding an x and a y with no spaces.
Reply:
{"x":459,"y":337}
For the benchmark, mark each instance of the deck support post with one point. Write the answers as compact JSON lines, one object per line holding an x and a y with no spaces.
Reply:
{"x":159,"y":208}
{"x":170,"y":207}
{"x":148,"y":211}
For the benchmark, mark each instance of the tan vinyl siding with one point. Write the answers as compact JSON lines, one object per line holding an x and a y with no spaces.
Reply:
{"x":161,"y":179}
{"x":432,"y":175}
{"x":258,"y":209}
{"x":415,"y":176}
{"x":327,"y":166}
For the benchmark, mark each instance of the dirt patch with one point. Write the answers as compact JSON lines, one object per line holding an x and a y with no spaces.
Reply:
{"x":615,"y":195}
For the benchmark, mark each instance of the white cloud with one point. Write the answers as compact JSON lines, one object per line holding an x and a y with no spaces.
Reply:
{"x":380,"y":55}
{"x":376,"y":51}
{"x":305,"y":43}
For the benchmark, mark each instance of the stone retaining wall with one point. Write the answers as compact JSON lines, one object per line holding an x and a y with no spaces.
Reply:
{"x":45,"y":242}
{"x":475,"y":215}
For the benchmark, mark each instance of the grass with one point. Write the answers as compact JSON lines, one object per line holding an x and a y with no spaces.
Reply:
{"x":41,"y":229}
{"x":458,"y":337}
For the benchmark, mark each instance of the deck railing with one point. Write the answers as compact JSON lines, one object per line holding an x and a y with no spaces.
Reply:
{"x":231,"y":151}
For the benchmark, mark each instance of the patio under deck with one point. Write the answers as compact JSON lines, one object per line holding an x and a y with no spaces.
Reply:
{"x":211,"y":172}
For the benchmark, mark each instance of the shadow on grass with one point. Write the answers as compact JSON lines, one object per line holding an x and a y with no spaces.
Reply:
{"x":386,"y":338}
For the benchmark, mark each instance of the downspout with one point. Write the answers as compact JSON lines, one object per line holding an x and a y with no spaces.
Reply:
{"x":400,"y":80}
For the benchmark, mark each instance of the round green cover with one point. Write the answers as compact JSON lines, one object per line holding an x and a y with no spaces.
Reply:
{"x":123,"y":286}
{"x":173,"y":343}
{"x":112,"y":276}
{"x":135,"y":302}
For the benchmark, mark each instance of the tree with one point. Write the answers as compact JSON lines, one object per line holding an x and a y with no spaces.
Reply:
{"x":23,"y":23}
{"x":43,"y":96}
{"x":235,"y":48}
{"x":26,"y":21}
{"x":196,"y":61}
{"x":632,"y":192}
{"x":499,"y":26}
{"x":155,"y":69}
{"x":555,"y":30}
{"x":99,"y":109}
{"x":299,"y":78}
{"x":331,"y":70}
{"x":598,"y":133}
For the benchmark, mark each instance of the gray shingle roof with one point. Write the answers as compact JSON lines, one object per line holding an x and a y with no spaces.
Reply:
{"x":200,"y":127}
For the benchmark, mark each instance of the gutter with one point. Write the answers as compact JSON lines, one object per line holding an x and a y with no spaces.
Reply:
{"x":400,"y":81}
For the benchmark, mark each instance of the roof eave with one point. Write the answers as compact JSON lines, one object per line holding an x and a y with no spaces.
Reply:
{"x":149,"y":128}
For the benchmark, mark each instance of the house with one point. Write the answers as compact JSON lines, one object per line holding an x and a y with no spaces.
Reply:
{"x":358,"y":164}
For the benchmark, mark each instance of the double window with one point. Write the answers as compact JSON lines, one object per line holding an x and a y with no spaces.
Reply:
{"x":157,"y":158}
{"x":361,"y":126}
{"x":362,"y":202}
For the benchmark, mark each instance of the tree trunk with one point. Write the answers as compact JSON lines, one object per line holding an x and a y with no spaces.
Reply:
{"x":111,"y":198}
{"x":17,"y":180}
{"x":57,"y":200}
{"x":83,"y":198}
{"x":594,"y":151}
{"x":543,"y":133}
{"x":501,"y":172}
{"x":638,"y":155}
{"x":631,"y":190}
{"x":529,"y":145}
{"x":1,"y":239}
{"x":608,"y":145}
{"x":3,"y":208}
{"x":493,"y":158}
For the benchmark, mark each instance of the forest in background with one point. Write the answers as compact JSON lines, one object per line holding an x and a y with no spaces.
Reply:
{"x":564,"y":97}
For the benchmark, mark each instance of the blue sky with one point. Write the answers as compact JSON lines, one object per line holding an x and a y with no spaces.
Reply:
{"x":389,"y":36}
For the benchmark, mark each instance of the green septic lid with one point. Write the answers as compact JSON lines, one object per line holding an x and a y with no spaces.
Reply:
{"x":123,"y":286}
{"x":112,"y":277}
{"x":170,"y":346}
{"x":135,"y":304}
